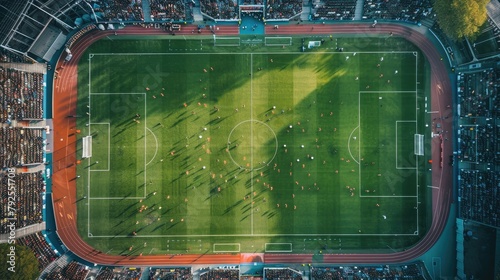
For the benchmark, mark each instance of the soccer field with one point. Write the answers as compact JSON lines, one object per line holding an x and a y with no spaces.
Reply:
{"x":206,"y":149}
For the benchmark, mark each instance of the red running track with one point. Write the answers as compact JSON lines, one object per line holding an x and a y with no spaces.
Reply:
{"x":64,"y":155}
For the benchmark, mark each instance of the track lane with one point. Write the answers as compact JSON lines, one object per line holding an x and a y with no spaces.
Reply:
{"x":64,"y":189}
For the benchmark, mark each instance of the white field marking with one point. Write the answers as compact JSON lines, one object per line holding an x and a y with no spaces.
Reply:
{"x":246,"y":53}
{"x":88,"y":160}
{"x":156,"y":147}
{"x":253,"y":235}
{"x":359,"y":150}
{"x":116,"y":93}
{"x":359,"y":144}
{"x":145,"y":145}
{"x":349,"y":144}
{"x":359,"y":123}
{"x":278,"y":251}
{"x":109,"y":147}
{"x":275,"y":139}
{"x":251,"y":142}
{"x":416,"y":131}
{"x":111,"y":198}
{"x":226,"y":244}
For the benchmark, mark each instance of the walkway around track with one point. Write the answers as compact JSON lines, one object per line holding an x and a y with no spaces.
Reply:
{"x":64,"y":157}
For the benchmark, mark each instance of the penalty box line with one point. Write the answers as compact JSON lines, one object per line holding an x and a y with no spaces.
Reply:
{"x":109,"y":150}
{"x":359,"y":149}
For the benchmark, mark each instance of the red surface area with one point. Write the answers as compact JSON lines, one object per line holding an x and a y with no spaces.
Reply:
{"x":64,"y":157}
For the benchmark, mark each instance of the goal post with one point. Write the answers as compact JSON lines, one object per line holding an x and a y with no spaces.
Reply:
{"x":277,"y":41}
{"x":87,"y":147}
{"x":419,"y":144}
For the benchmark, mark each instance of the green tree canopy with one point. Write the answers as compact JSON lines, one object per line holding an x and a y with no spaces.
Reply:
{"x":25,"y":266}
{"x":461,"y":18}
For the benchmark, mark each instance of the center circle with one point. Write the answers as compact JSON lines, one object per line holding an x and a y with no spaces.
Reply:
{"x":252,"y":145}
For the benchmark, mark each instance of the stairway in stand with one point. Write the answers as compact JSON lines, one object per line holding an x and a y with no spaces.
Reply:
{"x":197,"y":16}
{"x":306,"y":10}
{"x":146,"y":11}
{"x":358,"y":14}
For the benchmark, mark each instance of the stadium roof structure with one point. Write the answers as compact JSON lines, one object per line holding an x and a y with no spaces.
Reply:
{"x":493,"y":9}
{"x":23,"y":23}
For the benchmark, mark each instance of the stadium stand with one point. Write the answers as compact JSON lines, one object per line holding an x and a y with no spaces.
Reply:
{"x":111,"y":273}
{"x":283,"y":9}
{"x":21,"y":95}
{"x":43,"y":252}
{"x":479,"y":198}
{"x":221,"y":273}
{"x":171,"y":273}
{"x":168,"y":10}
{"x":478,"y":92}
{"x":73,"y":271}
{"x":21,"y":146}
{"x":6,"y":56}
{"x":410,"y":271}
{"x":80,"y":33}
{"x":478,"y":146}
{"x":120,"y":10}
{"x":29,"y":198}
{"x":477,"y":143}
{"x":334,"y":10}
{"x":106,"y":273}
{"x":281,"y":274}
{"x":404,"y":10}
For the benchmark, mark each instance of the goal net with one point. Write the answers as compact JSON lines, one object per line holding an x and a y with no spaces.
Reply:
{"x":87,"y":147}
{"x":419,"y":144}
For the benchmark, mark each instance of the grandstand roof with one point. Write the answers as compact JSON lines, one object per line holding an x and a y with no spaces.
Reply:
{"x":22,"y":22}
{"x":493,"y":9}
{"x":48,"y":42}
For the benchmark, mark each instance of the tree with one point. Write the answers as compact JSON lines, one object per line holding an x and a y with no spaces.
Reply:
{"x":461,"y":18}
{"x":24,"y":265}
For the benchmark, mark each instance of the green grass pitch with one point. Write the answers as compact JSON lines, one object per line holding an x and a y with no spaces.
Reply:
{"x":205,"y":149}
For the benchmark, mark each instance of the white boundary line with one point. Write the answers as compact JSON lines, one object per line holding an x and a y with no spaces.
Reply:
{"x":243,"y":235}
{"x":226,"y":244}
{"x":114,"y":198}
{"x":396,"y":151}
{"x":89,"y":234}
{"x":278,"y":251}
{"x":116,"y":93}
{"x":254,"y":235}
{"x":416,"y":131}
{"x":88,"y":160}
{"x":145,"y":144}
{"x":247,"y":53}
{"x":251,"y":143}
{"x":359,"y":156}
